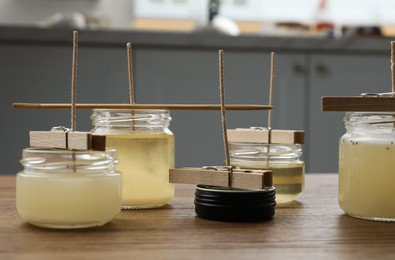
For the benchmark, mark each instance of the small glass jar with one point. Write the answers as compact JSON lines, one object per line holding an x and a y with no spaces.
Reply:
{"x":145,"y":148}
{"x":282,"y":159}
{"x":68,"y":189}
{"x":367,"y":166}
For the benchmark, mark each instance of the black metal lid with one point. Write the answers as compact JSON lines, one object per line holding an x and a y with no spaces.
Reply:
{"x":238,"y":205}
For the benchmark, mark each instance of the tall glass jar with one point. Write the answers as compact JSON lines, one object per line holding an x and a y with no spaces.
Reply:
{"x":367,"y":166}
{"x":282,"y":159}
{"x":68,"y":189}
{"x":145,"y":148}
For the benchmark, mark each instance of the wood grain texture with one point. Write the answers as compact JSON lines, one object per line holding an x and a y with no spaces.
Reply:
{"x":245,"y":135}
{"x":314,"y":227}
{"x":358,"y":104}
{"x":242,"y":180}
{"x":78,"y":140}
{"x":86,"y":141}
{"x":68,"y":140}
{"x":48,"y":139}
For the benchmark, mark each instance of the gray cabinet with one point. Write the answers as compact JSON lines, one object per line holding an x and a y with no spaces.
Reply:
{"x":42,"y":73}
{"x":338,"y":75}
{"x":174,"y":76}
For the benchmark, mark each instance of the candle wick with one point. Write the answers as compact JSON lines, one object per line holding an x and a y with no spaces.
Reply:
{"x":73,"y":92}
{"x":223,"y":110}
{"x":270,"y":113}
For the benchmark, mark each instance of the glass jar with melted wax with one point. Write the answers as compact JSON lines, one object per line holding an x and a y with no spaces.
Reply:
{"x":145,"y":148}
{"x":367,"y":166}
{"x":282,"y":159}
{"x":68,"y":189}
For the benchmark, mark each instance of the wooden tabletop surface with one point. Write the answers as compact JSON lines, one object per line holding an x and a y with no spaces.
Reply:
{"x":314,"y":227}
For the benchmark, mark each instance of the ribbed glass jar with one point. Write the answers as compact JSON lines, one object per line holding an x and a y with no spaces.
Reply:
{"x":145,"y":148}
{"x":68,"y":189}
{"x":282,"y":159}
{"x":367,"y":166}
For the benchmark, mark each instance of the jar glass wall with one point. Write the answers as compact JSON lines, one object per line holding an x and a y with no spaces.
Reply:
{"x":68,"y":189}
{"x":366,"y":166}
{"x":145,"y":148}
{"x":282,"y":159}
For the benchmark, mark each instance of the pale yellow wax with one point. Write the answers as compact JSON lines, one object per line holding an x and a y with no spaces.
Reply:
{"x":367,"y":178}
{"x":68,"y":200}
{"x":287,"y":179}
{"x":144,"y":161}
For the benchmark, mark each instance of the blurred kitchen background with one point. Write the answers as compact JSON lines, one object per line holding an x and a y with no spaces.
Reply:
{"x":324,"y":47}
{"x":261,"y":17}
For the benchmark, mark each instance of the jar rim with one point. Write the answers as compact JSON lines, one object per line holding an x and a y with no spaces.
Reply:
{"x":135,"y":118}
{"x":130,"y":110}
{"x":369,"y":119}
{"x":258,"y":151}
{"x":47,"y":159}
{"x":370,"y":113}
{"x":40,"y":150}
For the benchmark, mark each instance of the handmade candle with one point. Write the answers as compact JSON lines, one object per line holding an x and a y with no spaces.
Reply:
{"x":146,"y":151}
{"x":66,"y":189}
{"x":366,"y":166}
{"x":282,"y":159}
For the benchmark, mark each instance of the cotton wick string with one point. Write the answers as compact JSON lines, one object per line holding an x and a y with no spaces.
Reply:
{"x":223,"y":112}
{"x":74,"y":81}
{"x":130,"y":73}
{"x":270,"y":113}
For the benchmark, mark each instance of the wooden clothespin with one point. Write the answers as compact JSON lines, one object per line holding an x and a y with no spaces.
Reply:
{"x":224,"y":176}
{"x":367,"y":102}
{"x":263,"y":135}
{"x":62,"y":137}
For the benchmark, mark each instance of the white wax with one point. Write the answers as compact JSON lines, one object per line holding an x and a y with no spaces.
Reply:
{"x":367,"y":177}
{"x":68,"y":200}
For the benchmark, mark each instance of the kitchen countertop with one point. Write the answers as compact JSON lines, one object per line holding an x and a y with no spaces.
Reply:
{"x":195,"y":40}
{"x":313,"y":227}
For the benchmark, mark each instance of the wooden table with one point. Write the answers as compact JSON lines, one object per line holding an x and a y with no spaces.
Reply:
{"x":313,"y":227}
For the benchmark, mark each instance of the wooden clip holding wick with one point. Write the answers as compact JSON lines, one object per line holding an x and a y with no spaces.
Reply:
{"x":223,"y":176}
{"x":367,"y":102}
{"x":62,"y":138}
{"x":262,"y":135}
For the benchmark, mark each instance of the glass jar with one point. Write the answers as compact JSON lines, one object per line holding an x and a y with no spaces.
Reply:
{"x":68,"y":189}
{"x":282,"y":159}
{"x":145,"y":148}
{"x":367,"y":166}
